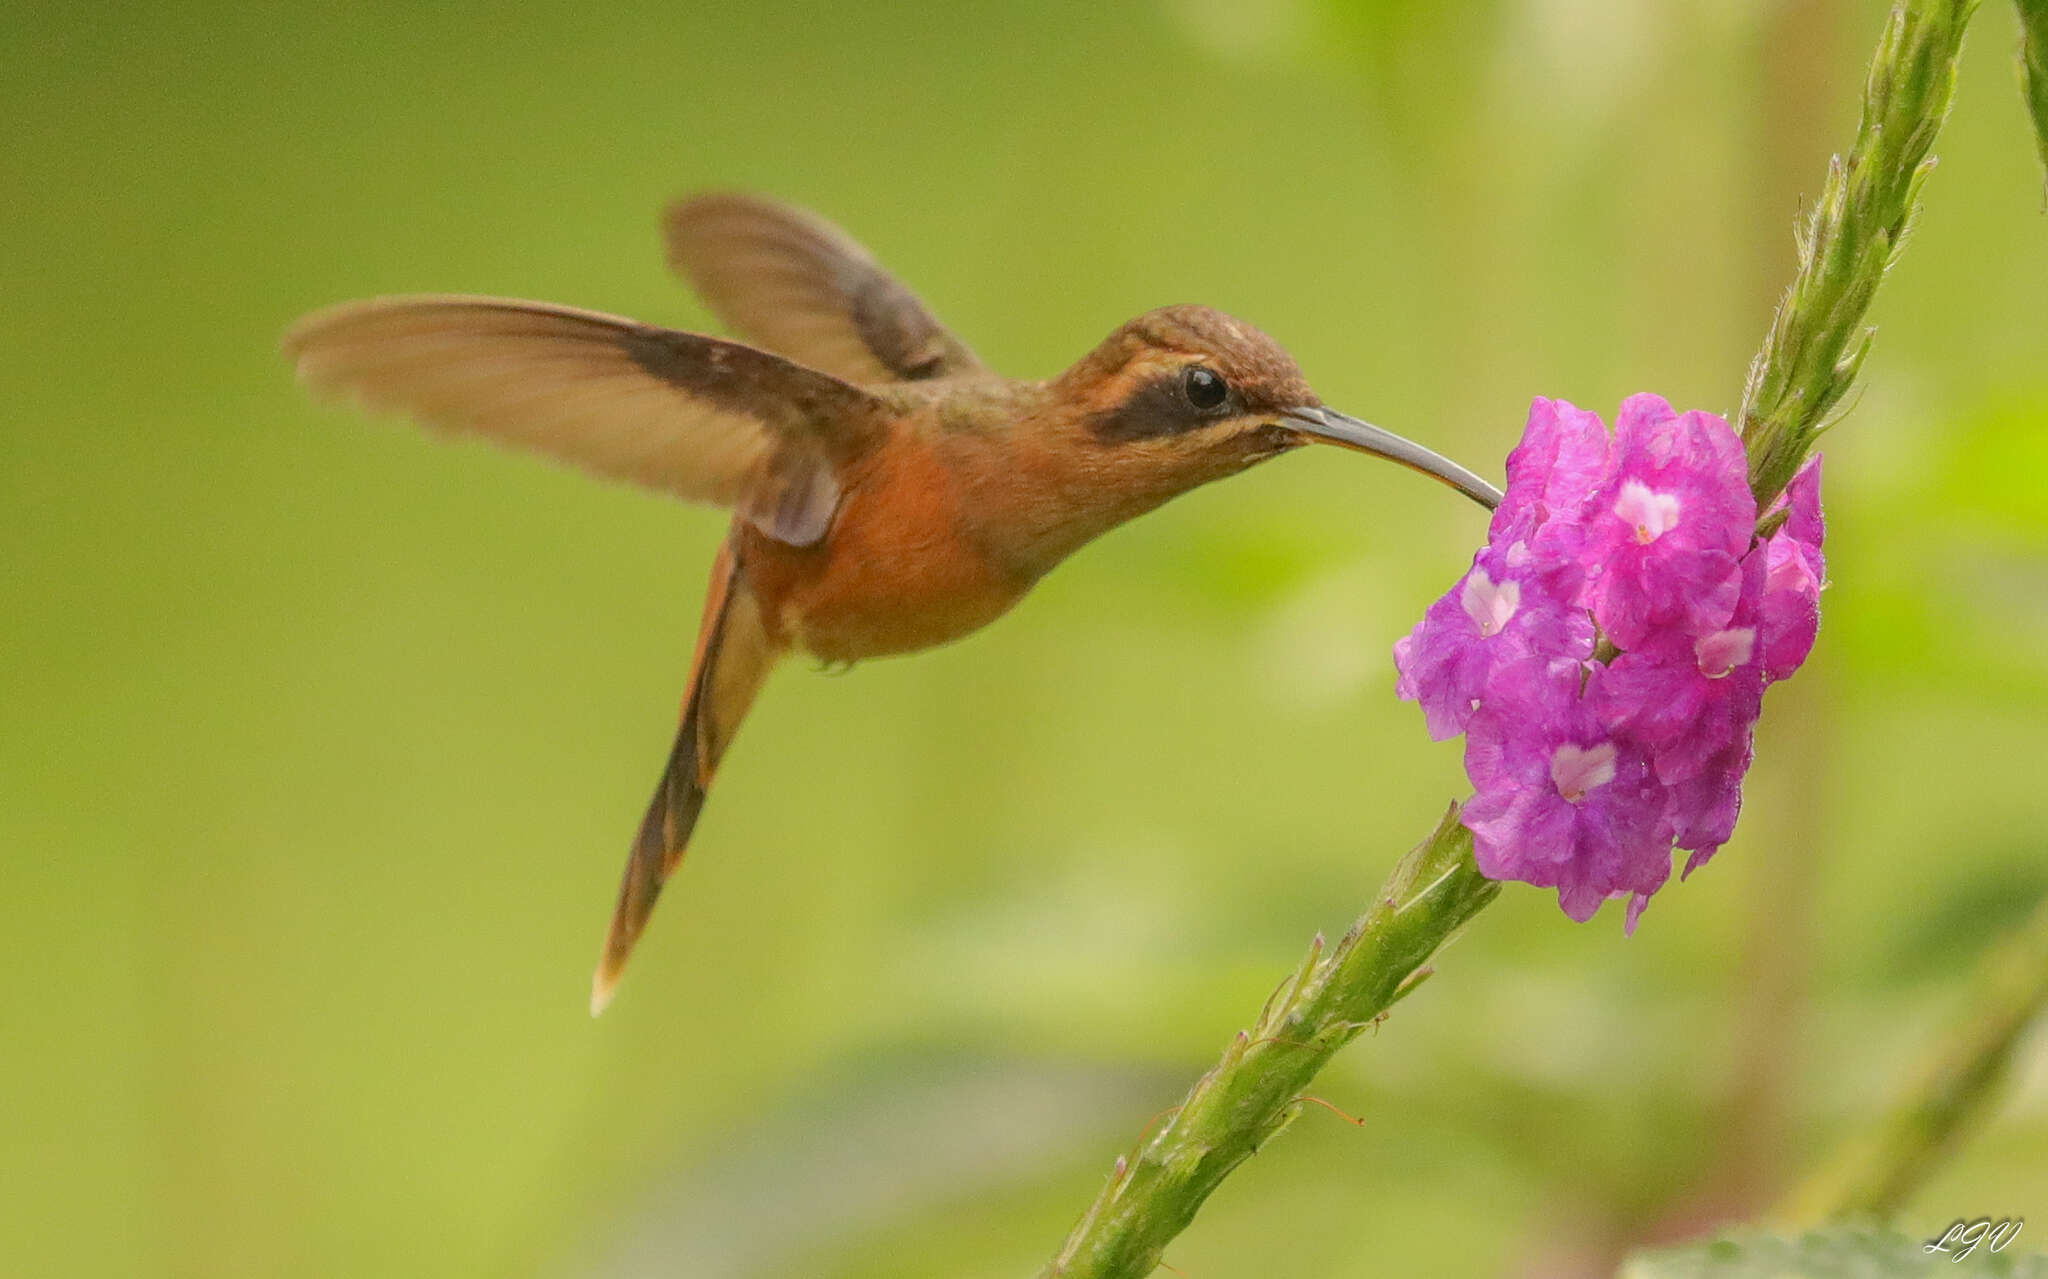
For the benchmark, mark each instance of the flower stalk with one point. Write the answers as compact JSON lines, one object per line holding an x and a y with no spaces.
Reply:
{"x":1810,"y":359}
{"x":2034,"y":71}
{"x":1254,"y":1092}
{"x":1819,"y":337}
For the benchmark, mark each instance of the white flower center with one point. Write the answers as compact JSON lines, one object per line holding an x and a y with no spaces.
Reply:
{"x":1488,"y":603}
{"x":1650,"y":513}
{"x":1574,"y":770}
{"x":1723,"y":651}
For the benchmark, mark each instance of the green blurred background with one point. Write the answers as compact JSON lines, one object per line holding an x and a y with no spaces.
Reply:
{"x":324,"y":740}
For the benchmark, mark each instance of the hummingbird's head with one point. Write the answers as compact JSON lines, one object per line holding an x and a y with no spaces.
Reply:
{"x":1192,"y":395}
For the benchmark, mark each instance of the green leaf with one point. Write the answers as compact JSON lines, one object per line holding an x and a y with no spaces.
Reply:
{"x":1841,"y":1253}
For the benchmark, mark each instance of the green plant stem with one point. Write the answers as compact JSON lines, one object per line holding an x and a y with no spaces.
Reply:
{"x":1958,"y":1083}
{"x":2034,"y":71}
{"x":1818,"y":339}
{"x":1810,"y":359}
{"x":1255,"y":1091}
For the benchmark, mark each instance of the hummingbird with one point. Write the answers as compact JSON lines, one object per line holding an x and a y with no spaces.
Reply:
{"x":889,"y":491}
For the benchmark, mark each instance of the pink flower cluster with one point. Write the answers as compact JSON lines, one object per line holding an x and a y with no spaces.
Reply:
{"x":1592,"y":760}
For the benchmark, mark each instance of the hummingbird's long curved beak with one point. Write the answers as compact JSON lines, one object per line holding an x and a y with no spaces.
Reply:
{"x":1332,"y":427}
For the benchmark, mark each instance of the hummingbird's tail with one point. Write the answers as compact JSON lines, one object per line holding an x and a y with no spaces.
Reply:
{"x":734,"y":656}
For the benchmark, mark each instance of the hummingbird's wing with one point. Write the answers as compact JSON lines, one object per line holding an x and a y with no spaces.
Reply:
{"x":799,"y":285}
{"x":693,"y":416}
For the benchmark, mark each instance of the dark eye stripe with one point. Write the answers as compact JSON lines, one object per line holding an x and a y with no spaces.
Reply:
{"x":1157,"y":408}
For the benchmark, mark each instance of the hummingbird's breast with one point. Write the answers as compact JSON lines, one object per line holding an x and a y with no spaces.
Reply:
{"x":901,"y":569}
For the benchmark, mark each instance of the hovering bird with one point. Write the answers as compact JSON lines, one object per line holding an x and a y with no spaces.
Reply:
{"x":889,"y":491}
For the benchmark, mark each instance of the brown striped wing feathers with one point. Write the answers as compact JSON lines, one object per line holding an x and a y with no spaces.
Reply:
{"x":692,"y":416}
{"x":799,"y":285}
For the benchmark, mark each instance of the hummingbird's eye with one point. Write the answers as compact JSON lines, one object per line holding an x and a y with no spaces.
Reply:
{"x":1204,"y":389}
